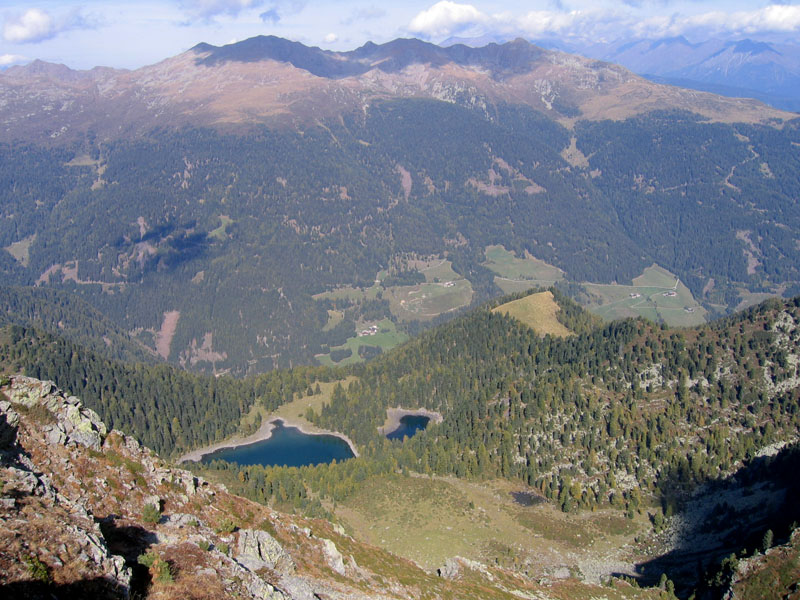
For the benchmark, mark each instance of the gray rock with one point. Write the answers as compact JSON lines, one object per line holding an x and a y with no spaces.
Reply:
{"x":24,"y":481}
{"x":561,"y":573}
{"x":261,"y":589}
{"x":190,"y":484}
{"x":152,"y":501}
{"x":333,"y":556}
{"x":450,"y":570}
{"x":56,"y":437}
{"x":258,"y":549}
{"x":131,"y":444}
{"x":9,"y":420}
{"x":182,"y":520}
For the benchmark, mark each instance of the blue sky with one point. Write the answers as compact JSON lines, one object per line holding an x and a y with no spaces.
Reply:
{"x":133,"y":33}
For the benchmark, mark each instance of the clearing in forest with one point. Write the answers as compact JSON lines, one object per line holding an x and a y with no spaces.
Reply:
{"x":519,"y":274}
{"x":385,"y":337}
{"x":656,"y":294}
{"x":430,"y":518}
{"x":537,"y":311}
{"x":428,"y":300}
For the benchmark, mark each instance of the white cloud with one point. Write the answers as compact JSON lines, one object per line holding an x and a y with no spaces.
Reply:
{"x":34,"y":25}
{"x":207,"y":9}
{"x":773,"y":19}
{"x":278,"y":9}
{"x":11,"y":59}
{"x":576,"y":22}
{"x":364,"y":14}
{"x":330,"y":38}
{"x":446,"y":18}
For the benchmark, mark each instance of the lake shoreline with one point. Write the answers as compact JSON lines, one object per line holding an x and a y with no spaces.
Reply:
{"x":393,"y":416}
{"x":264,"y":433}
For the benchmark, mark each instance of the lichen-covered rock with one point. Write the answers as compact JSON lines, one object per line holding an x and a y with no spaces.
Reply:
{"x":56,"y":436}
{"x":261,"y":589}
{"x":76,"y":424}
{"x":258,"y":549}
{"x":333,"y":556}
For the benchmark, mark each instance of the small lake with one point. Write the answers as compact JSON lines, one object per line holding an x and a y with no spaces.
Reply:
{"x":287,"y":446}
{"x":409,"y":425}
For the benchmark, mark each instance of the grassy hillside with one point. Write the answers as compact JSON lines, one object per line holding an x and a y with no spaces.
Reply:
{"x":537,"y":311}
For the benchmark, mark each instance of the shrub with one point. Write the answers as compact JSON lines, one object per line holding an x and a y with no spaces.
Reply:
{"x":223,"y":547}
{"x":162,"y":571}
{"x":226,"y":525}
{"x":204,"y":545}
{"x":159,"y":568}
{"x":147,"y":559}
{"x":38,"y":570}
{"x":766,"y":542}
{"x":151,"y":514}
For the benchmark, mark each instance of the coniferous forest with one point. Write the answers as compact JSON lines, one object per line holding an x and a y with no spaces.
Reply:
{"x":236,"y":237}
{"x":605,"y":416}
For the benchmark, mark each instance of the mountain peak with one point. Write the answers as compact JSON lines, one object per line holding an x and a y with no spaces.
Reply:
{"x":753,"y":47}
{"x":41,"y":68}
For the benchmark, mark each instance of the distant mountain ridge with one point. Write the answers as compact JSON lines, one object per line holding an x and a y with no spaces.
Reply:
{"x":746,"y":68}
{"x":392,"y":57}
{"x":270,"y":79}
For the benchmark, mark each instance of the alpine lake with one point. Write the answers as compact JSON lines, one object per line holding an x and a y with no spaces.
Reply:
{"x":289,"y":446}
{"x":409,"y":426}
{"x":286,"y":446}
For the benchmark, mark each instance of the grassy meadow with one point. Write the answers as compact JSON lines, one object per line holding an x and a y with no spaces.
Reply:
{"x":387,"y":338}
{"x":656,"y":294}
{"x":519,"y":274}
{"x":428,"y":519}
{"x":538,"y":311}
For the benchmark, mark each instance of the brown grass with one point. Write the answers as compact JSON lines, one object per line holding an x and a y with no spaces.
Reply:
{"x":537,"y":311}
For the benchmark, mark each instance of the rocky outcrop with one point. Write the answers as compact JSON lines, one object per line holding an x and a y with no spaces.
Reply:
{"x":25,"y":489}
{"x":450,"y":569}
{"x":258,"y":549}
{"x":73,"y":423}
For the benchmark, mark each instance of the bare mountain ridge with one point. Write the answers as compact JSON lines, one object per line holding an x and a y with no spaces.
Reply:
{"x":272,"y":80}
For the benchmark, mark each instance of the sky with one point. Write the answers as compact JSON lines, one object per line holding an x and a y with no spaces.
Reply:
{"x":134,"y":33}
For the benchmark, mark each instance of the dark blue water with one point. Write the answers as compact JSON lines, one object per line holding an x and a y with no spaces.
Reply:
{"x":409,"y":425}
{"x":286,"y":446}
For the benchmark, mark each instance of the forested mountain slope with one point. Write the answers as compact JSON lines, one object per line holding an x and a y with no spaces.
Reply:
{"x":628,"y":416}
{"x":63,"y":314}
{"x":262,"y":221}
{"x":209,"y":246}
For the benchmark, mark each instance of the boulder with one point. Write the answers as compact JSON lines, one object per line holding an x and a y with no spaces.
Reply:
{"x":450,"y":570}
{"x":333,"y":556}
{"x":257,"y":549}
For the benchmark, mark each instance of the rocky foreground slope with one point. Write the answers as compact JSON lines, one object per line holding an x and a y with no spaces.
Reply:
{"x":85,"y":512}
